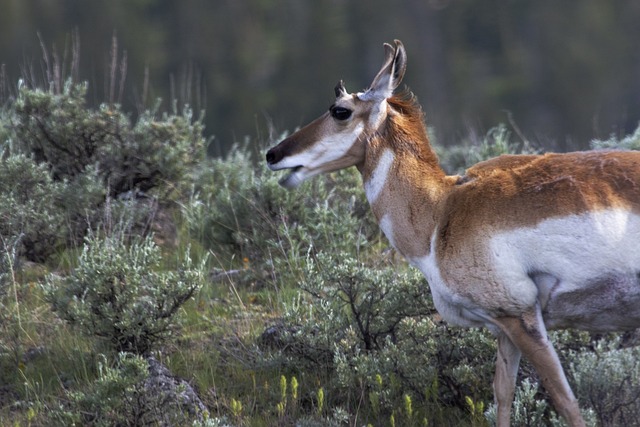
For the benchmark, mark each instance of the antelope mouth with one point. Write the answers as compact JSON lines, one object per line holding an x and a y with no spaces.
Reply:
{"x":293,"y":178}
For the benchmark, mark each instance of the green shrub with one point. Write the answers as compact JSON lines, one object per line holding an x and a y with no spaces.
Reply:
{"x":497,"y":141}
{"x":629,"y":142}
{"x":127,"y":394}
{"x":31,"y":207}
{"x":61,"y":158}
{"x":240,"y":209}
{"x":112,"y":399}
{"x":377,"y":330}
{"x":59,"y":130}
{"x":118,"y":293}
{"x":529,"y":409}
{"x":608,"y":381}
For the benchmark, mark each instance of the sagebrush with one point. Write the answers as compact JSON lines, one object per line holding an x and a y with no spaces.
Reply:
{"x":277,"y":286}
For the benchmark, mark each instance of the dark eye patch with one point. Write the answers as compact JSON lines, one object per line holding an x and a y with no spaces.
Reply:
{"x":340,"y":113}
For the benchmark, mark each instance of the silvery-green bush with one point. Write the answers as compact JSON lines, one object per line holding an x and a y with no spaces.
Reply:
{"x":31,"y":207}
{"x":62,"y":159}
{"x":377,"y":330}
{"x":629,"y":142}
{"x":239,"y":208}
{"x":59,"y":130}
{"x":608,"y":381}
{"x":497,"y":141}
{"x":112,"y":399}
{"x":119,"y":294}
{"x":128,"y":392}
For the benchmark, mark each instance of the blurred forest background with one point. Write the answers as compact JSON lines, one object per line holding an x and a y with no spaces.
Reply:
{"x":561,"y":73}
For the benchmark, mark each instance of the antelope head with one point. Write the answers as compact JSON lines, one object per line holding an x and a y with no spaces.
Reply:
{"x":338,"y":138}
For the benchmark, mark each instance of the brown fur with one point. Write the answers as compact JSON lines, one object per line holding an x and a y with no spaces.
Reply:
{"x":522,"y":191}
{"x":506,"y":192}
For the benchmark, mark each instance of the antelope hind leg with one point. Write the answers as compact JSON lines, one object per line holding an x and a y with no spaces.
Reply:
{"x":504,"y":382}
{"x":529,"y":334}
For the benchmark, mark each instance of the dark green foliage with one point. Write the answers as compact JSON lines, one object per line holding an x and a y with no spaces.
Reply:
{"x":62,"y":159}
{"x":117,"y":295}
{"x":562,"y":70}
{"x":59,"y":130}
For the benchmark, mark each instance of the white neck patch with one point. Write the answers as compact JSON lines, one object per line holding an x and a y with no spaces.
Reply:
{"x":378,"y":178}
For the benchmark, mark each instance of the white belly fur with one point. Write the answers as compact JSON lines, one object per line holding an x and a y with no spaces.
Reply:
{"x":583,"y":270}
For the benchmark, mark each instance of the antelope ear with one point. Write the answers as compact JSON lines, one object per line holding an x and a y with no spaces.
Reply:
{"x":390,"y":75}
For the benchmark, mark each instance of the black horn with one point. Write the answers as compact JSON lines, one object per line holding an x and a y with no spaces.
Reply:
{"x":340,"y":89}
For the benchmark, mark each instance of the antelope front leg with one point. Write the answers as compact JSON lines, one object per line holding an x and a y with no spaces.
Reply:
{"x":529,"y":334}
{"x":504,"y":382}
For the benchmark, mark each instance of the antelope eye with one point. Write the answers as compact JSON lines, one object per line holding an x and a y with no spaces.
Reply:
{"x":340,"y":113}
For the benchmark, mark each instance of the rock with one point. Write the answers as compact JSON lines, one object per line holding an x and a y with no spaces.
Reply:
{"x":171,"y":400}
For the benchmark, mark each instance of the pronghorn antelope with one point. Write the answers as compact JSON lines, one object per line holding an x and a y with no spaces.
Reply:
{"x":519,"y":244}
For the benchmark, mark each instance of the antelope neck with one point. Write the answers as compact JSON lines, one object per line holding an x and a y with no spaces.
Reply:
{"x":404,"y":191}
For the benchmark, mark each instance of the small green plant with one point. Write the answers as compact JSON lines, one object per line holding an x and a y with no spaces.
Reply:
{"x":118,"y":295}
{"x":320,"y":401}
{"x":408,"y":407}
{"x":283,"y":388}
{"x":236,"y":408}
{"x":476,"y":409}
{"x":294,"y":388}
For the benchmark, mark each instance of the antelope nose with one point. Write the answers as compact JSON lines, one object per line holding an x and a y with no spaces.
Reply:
{"x":272,"y":157}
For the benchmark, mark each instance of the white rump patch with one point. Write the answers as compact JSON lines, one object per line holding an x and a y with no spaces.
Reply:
{"x":376,"y":182}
